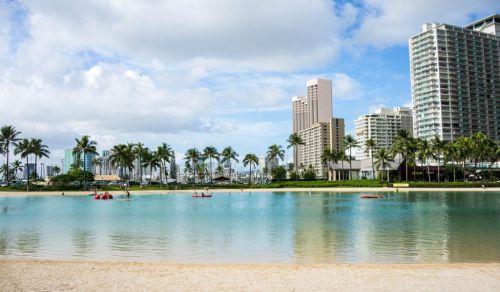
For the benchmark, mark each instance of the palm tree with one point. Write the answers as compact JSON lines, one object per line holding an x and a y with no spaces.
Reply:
{"x":16,"y":166}
{"x":479,"y":142}
{"x":39,"y":150}
{"x":349,"y":143}
{"x":382,"y":160}
{"x":249,"y":160}
{"x":165,"y":153}
{"x":193,"y":156}
{"x":210,"y":152}
{"x":84,"y":145}
{"x":424,"y":153}
{"x":295,"y":141}
{"x":123,"y":156}
{"x":492,"y":153}
{"x":150,"y":160}
{"x":97,"y":162}
{"x":404,"y":139}
{"x":8,"y":136}
{"x":24,"y":149}
{"x":450,"y":154}
{"x":438,"y":149}
{"x":228,"y":154}
{"x":139,"y":152}
{"x":463,"y":148}
{"x":371,"y":145}
{"x":56,"y":170}
{"x":275,"y":151}
{"x":328,"y":157}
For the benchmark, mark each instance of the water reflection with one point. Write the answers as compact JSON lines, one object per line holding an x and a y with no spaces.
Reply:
{"x":257,"y":227}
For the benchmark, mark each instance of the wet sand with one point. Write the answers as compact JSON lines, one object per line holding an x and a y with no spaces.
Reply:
{"x":34,"y":275}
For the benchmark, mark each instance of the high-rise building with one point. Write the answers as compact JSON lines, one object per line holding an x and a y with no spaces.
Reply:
{"x":382,"y":126}
{"x":455,"y":79}
{"x":313,"y":121}
{"x":69,"y":159}
{"x":319,"y":101}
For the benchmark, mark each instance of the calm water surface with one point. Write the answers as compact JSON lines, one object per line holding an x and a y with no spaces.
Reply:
{"x":256,"y":227}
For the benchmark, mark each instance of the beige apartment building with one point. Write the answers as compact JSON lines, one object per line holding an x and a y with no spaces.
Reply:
{"x":313,"y":121}
{"x":382,"y":125}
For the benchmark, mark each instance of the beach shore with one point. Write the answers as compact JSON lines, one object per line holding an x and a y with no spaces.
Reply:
{"x":43,"y":275}
{"x":312,"y":190}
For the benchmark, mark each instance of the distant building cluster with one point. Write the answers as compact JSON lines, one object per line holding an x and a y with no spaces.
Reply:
{"x":455,"y":86}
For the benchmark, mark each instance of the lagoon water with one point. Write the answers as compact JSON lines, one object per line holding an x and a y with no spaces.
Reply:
{"x":242,"y":227}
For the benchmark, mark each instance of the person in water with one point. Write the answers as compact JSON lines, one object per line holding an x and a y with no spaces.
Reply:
{"x":128,"y":194}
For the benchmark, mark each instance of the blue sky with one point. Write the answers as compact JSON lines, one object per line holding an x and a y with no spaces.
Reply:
{"x":193,"y":73}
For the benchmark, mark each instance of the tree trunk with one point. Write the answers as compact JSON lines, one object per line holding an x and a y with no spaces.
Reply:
{"x":350,"y":165}
{"x":210,"y":160}
{"x":84,"y":174}
{"x":250,"y":173}
{"x":463,"y":169}
{"x":428,"y":172}
{"x":373,"y":167}
{"x":28,"y":175}
{"x":36,"y":163}
{"x":388,"y":176}
{"x":7,"y":174}
{"x":438,"y":161}
{"x":406,"y":166}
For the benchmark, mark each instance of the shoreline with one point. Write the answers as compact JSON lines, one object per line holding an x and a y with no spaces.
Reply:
{"x":260,"y":190}
{"x":25,"y":274}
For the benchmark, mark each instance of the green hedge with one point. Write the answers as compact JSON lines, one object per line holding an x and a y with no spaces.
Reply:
{"x":477,"y":184}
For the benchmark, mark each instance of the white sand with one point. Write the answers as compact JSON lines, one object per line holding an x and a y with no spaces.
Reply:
{"x":31,"y":275}
{"x":333,"y":189}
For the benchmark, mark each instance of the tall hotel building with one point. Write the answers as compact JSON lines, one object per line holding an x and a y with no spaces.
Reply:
{"x":382,"y":126}
{"x":313,"y":121}
{"x":455,"y":79}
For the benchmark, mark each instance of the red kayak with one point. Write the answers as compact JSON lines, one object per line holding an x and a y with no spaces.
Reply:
{"x":372,"y":197}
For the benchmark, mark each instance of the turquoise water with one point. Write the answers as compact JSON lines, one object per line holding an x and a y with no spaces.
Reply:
{"x":256,"y":228}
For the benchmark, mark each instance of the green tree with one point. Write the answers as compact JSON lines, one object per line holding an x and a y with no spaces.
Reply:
{"x":173,"y":167}
{"x":122,"y":156}
{"x":24,"y":149}
{"x":152,"y":161}
{"x":478,"y":143}
{"x":371,"y":145}
{"x":8,"y":136}
{"x":328,"y":157}
{"x":424,"y":153}
{"x":56,"y":170}
{"x":228,"y":155}
{"x":165,"y":154}
{"x":463,"y":147}
{"x":294,"y":140}
{"x":349,"y":143}
{"x":309,"y":173}
{"x":84,"y":146}
{"x":275,"y":151}
{"x":16,"y":167}
{"x":193,"y":156}
{"x":438,"y":148}
{"x":278,"y":173}
{"x":383,"y":158}
{"x":404,"y":142}
{"x":210,"y":152}
{"x":250,"y":159}
{"x":140,"y":152}
{"x":39,"y":151}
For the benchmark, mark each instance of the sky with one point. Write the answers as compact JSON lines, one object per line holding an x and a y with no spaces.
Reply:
{"x":198,"y":73}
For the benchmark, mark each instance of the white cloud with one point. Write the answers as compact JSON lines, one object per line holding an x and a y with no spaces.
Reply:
{"x":345,"y":87}
{"x":392,"y":22}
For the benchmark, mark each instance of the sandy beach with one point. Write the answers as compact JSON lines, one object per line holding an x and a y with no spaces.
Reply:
{"x":33,"y":275}
{"x":312,"y":190}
